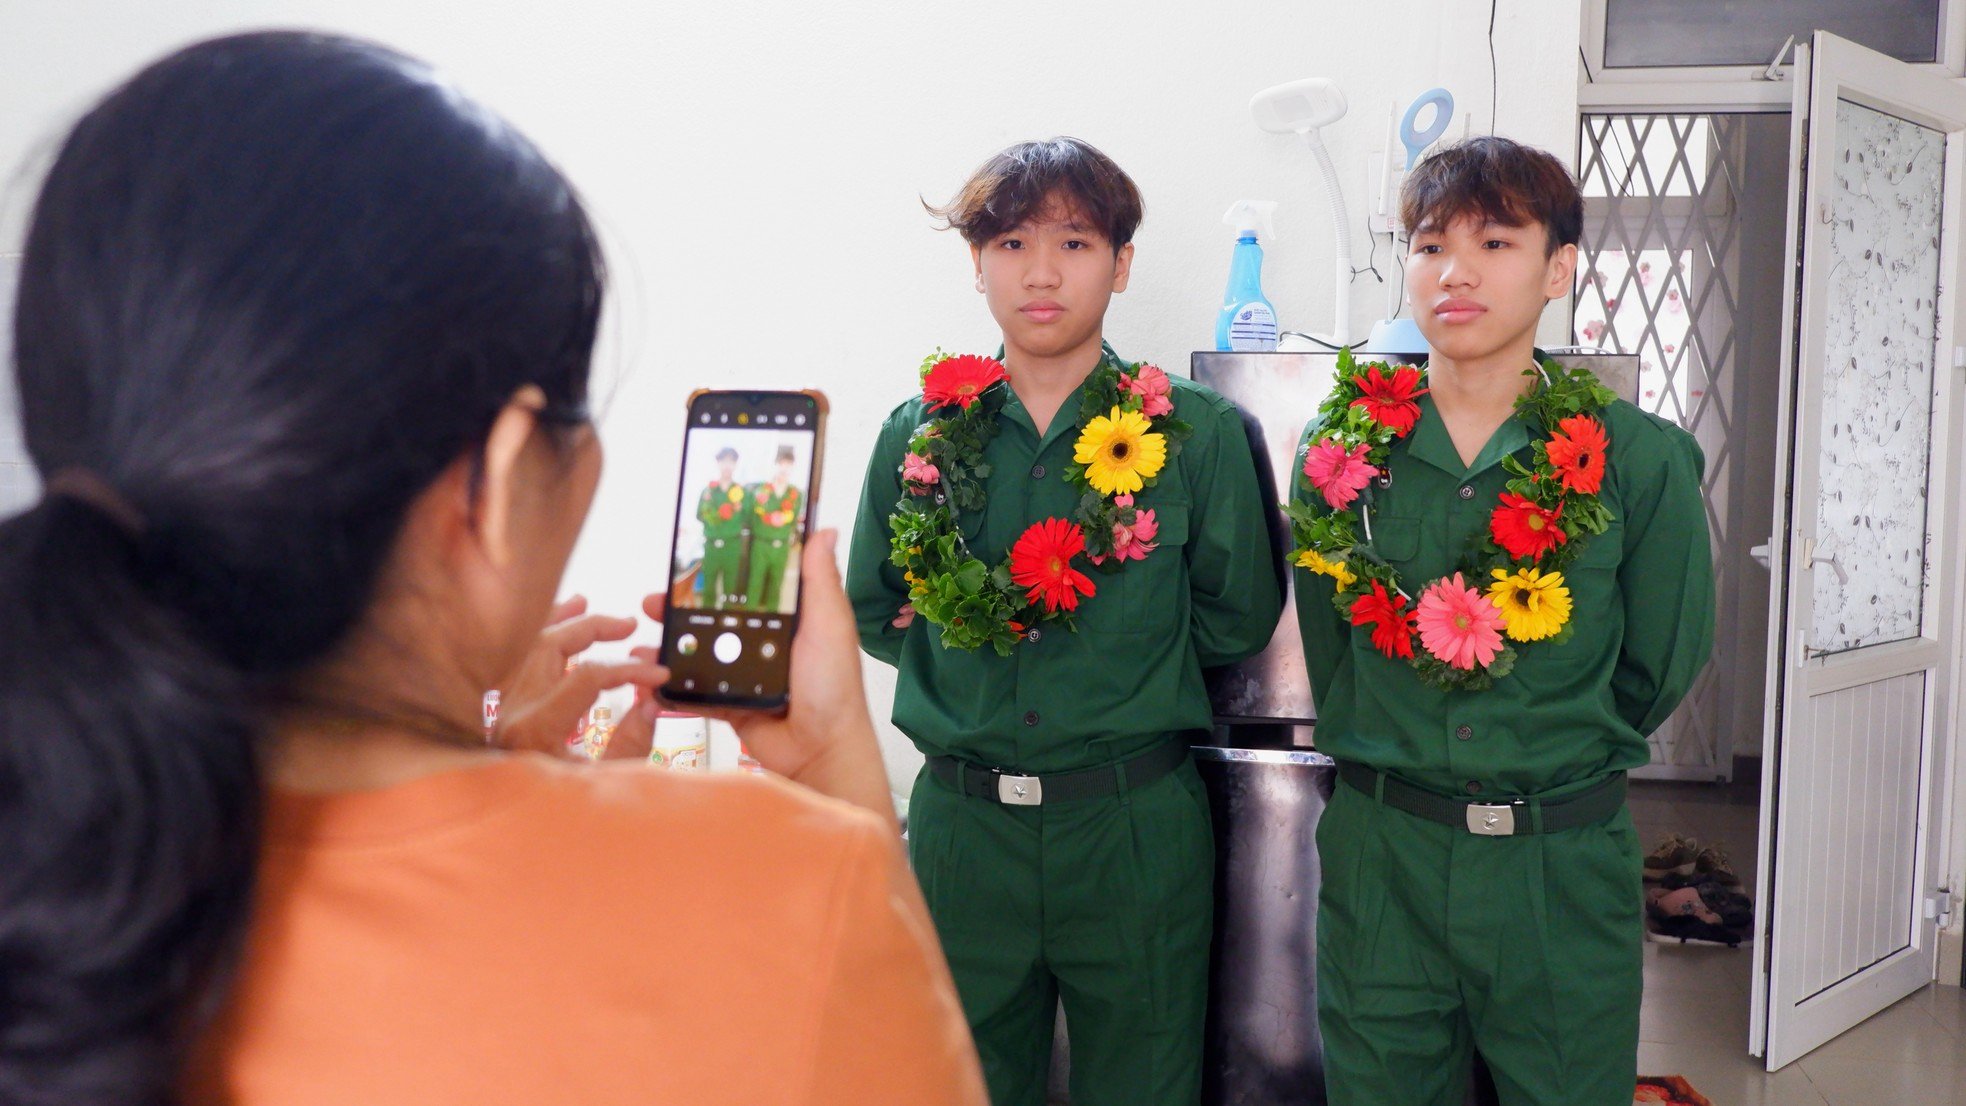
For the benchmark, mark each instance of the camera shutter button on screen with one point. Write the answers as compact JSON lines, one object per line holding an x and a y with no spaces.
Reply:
{"x":728,"y":648}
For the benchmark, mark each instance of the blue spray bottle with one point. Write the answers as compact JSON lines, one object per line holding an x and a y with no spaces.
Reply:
{"x":1247,"y":321}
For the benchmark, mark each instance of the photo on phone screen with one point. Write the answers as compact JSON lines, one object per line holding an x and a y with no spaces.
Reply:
{"x":750,"y":460}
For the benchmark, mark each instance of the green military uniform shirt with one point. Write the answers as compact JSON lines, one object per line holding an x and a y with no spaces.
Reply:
{"x":722,"y":509}
{"x":1131,"y":675}
{"x":777,"y":513}
{"x":1642,"y":619}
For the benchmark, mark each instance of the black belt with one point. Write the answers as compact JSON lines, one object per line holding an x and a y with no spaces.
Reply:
{"x":1511,"y":818}
{"x":1091,"y":783}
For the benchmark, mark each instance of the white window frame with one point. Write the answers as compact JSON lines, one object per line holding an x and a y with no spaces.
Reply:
{"x":1722,"y":87}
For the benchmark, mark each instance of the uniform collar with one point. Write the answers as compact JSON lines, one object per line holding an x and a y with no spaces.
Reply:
{"x":1431,"y":443}
{"x":1014,"y":411}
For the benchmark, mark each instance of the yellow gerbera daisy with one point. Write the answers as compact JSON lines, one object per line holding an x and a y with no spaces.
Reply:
{"x":1119,"y":452}
{"x":1534,"y":604}
{"x":1327,"y":566}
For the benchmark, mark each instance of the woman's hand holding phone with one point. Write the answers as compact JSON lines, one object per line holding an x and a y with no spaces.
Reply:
{"x":824,"y":739}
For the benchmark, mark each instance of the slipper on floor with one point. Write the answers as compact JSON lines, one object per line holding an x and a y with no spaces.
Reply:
{"x":1667,"y":1090}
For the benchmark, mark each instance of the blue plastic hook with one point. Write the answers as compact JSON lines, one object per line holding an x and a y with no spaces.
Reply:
{"x":1417,"y":141}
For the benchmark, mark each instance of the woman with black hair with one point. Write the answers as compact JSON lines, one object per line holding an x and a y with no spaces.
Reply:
{"x":302,"y":345}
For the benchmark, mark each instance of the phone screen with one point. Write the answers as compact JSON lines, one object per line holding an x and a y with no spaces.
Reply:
{"x":750,"y":462}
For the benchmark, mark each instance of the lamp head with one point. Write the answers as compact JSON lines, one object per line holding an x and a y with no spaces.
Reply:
{"x":1298,"y":107}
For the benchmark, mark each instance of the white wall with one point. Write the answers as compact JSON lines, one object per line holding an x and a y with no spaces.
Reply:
{"x":756,"y":168}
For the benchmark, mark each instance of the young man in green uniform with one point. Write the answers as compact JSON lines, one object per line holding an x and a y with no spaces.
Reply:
{"x":1481,"y":886}
{"x":723,"y":509}
{"x":774,"y":526}
{"x":1059,"y":829}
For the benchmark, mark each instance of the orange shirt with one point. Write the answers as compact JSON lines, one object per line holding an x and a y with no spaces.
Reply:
{"x":543,"y":933}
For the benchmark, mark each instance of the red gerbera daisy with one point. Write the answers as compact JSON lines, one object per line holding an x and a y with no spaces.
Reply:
{"x":1041,"y":564}
{"x":960,"y":380}
{"x":1391,"y":400}
{"x":1391,"y":622}
{"x":1577,"y":450}
{"x":1524,"y":529}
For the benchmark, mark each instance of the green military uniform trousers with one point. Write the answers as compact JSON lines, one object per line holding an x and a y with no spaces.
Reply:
{"x":1107,"y":903}
{"x":1434,"y":942}
{"x":769,"y":557}
{"x":723,"y":560}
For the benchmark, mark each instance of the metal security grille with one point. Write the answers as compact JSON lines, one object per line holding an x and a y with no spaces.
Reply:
{"x":1660,"y":275}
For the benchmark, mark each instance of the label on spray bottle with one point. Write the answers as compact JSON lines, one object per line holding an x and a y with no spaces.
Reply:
{"x":1254,"y":328}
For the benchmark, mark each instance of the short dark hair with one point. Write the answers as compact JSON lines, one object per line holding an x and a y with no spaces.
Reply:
{"x":1496,"y":180}
{"x":1020,"y":182}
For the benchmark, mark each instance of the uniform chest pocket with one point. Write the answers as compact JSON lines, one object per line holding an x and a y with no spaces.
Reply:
{"x":1396,"y":540}
{"x":1604,"y":551}
{"x":1148,"y":595}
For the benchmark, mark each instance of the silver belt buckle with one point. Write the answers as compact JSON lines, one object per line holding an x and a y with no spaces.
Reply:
{"x":1491,"y":819}
{"x":1020,"y":790}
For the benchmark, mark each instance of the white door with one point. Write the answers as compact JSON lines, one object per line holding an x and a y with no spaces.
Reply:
{"x":1860,"y":676}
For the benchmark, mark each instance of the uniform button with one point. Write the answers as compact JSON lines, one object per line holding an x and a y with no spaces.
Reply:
{"x":1464,"y":732}
{"x":1037,"y":472}
{"x":1034,"y":636}
{"x":1467,"y":491}
{"x":1030,"y":718}
{"x":1474,"y":787}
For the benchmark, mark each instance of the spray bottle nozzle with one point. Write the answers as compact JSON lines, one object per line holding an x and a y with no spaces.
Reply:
{"x":1250,"y":216}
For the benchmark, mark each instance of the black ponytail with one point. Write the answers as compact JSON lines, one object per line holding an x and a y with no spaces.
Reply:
{"x":128,"y":810}
{"x":273,"y":286}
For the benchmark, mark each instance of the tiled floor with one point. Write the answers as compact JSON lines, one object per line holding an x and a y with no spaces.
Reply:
{"x":1695,"y":1018}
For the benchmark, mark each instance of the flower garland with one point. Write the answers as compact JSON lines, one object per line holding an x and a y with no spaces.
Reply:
{"x":1128,"y":433}
{"x":1511,"y":588}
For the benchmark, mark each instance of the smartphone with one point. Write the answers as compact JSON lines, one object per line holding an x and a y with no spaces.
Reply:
{"x":744,"y":503}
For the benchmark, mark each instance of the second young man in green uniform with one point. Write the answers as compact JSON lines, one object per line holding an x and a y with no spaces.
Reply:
{"x":1481,"y":880}
{"x":774,"y":527}
{"x":1059,"y":830}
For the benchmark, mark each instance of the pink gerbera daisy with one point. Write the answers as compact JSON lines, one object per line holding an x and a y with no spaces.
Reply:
{"x":1458,"y":624}
{"x":1338,"y":473}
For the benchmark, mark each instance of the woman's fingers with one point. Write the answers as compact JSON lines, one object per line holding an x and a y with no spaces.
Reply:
{"x":545,"y":724}
{"x":635,"y":736}
{"x":573,"y":637}
{"x":573,"y":606}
